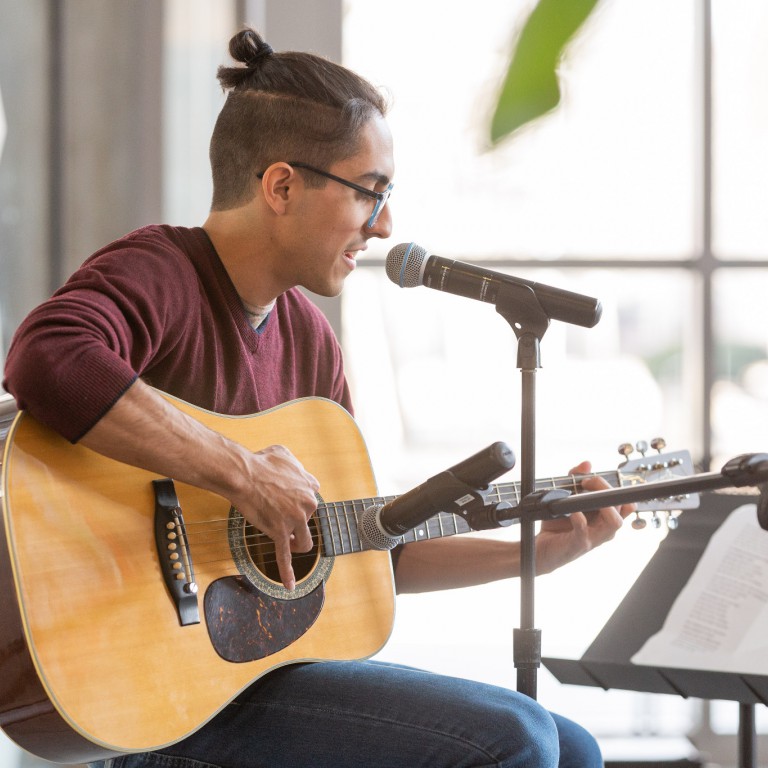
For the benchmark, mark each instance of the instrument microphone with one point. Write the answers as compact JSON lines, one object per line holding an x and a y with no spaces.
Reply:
{"x":381,"y":526}
{"x":409,"y":265}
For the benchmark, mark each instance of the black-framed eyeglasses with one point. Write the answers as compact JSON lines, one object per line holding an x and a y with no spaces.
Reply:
{"x":380,"y":197}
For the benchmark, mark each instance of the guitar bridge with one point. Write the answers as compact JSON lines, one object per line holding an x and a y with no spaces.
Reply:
{"x":173,"y":552}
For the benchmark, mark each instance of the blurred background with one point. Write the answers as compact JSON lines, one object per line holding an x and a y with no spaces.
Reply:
{"x":646,"y":188}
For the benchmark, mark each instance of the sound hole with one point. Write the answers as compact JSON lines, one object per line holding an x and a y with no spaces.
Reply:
{"x":261,"y":550}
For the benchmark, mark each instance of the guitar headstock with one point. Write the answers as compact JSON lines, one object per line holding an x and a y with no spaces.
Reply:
{"x":655,"y":468}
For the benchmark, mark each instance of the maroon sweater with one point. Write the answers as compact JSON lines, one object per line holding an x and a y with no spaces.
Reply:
{"x":158,"y":304}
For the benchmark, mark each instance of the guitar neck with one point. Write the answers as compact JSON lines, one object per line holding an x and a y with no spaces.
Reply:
{"x":339,"y":521}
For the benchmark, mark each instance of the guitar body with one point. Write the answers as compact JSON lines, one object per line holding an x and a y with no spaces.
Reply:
{"x":94,"y":660}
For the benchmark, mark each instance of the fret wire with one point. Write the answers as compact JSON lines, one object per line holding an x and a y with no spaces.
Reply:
{"x":350,"y":528}
{"x":334,"y":523}
{"x":358,"y":516}
{"x":321,"y":528}
{"x":326,"y":530}
{"x":331,"y":528}
{"x":563,"y":483}
{"x":358,"y":545}
{"x":349,"y":523}
{"x":338,"y":525}
{"x":334,"y":530}
{"x":363,"y":506}
{"x":346,"y":523}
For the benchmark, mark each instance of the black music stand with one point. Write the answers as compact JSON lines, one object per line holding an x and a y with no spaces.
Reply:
{"x":606,"y":663}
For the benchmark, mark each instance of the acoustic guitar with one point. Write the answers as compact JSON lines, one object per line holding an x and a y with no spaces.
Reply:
{"x":134,"y":608}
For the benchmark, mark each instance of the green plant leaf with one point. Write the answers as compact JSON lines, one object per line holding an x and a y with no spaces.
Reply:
{"x":531,"y":88}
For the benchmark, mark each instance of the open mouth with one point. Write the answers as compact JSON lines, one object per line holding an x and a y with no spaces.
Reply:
{"x":351,"y":257}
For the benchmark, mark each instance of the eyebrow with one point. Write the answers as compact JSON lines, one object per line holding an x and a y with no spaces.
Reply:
{"x":375,"y":176}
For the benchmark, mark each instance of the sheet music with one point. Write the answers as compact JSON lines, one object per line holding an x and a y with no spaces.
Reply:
{"x":719,"y":622}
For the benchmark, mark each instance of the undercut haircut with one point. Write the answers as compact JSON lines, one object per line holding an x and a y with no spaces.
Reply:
{"x":282,"y":107}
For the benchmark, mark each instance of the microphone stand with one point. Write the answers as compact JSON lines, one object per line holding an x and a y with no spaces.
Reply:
{"x":518,"y":305}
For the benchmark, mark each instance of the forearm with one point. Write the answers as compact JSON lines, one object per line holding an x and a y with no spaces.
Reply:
{"x":451,"y":563}
{"x":146,"y":430}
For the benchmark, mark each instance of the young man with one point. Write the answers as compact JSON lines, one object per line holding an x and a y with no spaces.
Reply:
{"x":302,"y":165}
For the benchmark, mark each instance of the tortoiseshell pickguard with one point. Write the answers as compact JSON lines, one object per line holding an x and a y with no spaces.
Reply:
{"x":244,"y":624}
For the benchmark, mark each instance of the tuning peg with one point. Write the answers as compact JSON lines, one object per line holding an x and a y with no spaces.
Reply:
{"x":642,"y":447}
{"x":658,"y":444}
{"x":638,"y":523}
{"x":625,"y":449}
{"x":655,"y":520}
{"x":672,"y":521}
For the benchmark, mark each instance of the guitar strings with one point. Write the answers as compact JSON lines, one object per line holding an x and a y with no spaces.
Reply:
{"x":216,"y":529}
{"x":503,"y":492}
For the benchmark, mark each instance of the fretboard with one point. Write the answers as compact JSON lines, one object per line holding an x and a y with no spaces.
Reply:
{"x":339,"y":521}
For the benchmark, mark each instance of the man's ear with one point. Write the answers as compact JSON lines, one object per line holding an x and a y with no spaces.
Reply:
{"x":279,"y":185}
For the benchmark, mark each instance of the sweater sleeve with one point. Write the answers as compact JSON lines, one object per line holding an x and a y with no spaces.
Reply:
{"x":77,"y":353}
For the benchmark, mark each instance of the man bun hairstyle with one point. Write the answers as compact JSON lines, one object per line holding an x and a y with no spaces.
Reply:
{"x":284,"y":106}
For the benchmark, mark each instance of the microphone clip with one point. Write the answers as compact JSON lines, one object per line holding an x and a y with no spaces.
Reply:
{"x":473,"y":507}
{"x":445,"y":492}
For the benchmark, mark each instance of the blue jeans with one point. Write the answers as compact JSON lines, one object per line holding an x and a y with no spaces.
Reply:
{"x":374,"y":715}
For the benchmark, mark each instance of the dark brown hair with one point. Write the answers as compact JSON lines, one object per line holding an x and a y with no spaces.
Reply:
{"x":284,"y":106}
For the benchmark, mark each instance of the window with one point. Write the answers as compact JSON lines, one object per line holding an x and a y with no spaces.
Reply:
{"x":645,"y":188}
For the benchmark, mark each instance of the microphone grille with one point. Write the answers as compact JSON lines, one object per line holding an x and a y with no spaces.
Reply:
{"x":371,"y":534}
{"x":405,"y":264}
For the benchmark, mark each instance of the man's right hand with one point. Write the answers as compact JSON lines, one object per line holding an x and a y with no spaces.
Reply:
{"x":278,"y":499}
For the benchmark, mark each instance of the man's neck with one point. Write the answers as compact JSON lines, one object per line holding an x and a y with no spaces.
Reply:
{"x":244,"y":251}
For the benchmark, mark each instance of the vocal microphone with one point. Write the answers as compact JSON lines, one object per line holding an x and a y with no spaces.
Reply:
{"x":409,"y":265}
{"x":381,"y":526}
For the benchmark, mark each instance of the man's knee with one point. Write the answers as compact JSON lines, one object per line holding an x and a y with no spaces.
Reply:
{"x":532,"y":737}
